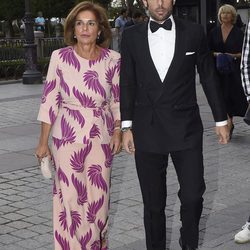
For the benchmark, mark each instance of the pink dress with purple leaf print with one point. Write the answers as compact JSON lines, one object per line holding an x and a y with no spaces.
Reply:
{"x":81,"y":102}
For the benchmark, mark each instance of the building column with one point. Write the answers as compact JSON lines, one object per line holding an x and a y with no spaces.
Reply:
{"x":203,"y":14}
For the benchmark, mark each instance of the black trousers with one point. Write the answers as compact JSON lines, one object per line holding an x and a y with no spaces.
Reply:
{"x":151,"y":169}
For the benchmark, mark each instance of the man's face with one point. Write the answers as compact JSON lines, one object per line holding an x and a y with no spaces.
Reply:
{"x":159,"y":10}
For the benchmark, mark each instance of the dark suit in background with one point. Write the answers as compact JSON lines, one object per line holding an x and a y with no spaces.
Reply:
{"x":166,"y":120}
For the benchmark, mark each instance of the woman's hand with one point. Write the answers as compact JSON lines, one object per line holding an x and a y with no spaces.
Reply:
{"x":42,"y":150}
{"x":116,"y":142}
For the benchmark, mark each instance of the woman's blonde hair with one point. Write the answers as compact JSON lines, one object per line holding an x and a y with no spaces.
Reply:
{"x":102,"y":20}
{"x":227,"y":8}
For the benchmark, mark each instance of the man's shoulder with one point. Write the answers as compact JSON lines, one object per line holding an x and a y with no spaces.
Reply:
{"x":118,"y":19}
{"x":129,"y":23}
{"x":135,"y":28}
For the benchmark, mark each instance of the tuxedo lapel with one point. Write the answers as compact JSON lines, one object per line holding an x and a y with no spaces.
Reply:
{"x":153,"y":86}
{"x":149,"y":63}
{"x":179,"y":52}
{"x":155,"y":82}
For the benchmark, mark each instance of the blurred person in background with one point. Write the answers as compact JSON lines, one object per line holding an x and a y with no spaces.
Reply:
{"x":137,"y":17}
{"x":120,"y":24}
{"x":244,"y":235}
{"x":40,"y":22}
{"x":226,"y":43}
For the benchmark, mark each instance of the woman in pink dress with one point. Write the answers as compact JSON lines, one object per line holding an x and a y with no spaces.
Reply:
{"x":80,"y":103}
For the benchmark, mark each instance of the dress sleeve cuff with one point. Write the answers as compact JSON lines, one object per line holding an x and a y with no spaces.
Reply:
{"x":220,"y":124}
{"x":126,"y":124}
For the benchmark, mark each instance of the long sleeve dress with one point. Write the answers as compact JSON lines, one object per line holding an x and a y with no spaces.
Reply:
{"x":231,"y":83}
{"x":81,"y":102}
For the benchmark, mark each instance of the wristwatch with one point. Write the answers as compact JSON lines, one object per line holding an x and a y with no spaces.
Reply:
{"x":124,"y":129}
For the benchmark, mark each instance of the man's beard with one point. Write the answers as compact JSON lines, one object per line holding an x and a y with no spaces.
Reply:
{"x":166,"y":16}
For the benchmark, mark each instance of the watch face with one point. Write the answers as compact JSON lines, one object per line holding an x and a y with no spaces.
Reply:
{"x":125,"y":129}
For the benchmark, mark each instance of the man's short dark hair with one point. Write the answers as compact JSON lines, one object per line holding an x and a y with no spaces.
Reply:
{"x":124,"y":10}
{"x":137,"y":14}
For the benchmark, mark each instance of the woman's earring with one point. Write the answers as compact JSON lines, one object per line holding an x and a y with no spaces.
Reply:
{"x":74,"y":36}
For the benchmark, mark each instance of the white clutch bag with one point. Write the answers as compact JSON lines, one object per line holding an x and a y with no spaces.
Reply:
{"x":46,"y":167}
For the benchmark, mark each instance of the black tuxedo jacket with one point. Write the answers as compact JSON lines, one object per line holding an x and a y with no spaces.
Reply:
{"x":165,"y":115}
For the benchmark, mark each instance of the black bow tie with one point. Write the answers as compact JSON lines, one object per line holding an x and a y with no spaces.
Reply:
{"x":167,"y":25}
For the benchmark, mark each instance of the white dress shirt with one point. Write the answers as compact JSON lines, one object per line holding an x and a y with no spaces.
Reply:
{"x":162,"y":48}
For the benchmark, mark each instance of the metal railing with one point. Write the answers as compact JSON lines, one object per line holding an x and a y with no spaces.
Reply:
{"x":11,"y":49}
{"x":12,"y":55}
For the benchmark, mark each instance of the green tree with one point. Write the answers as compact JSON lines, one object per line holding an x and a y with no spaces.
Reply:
{"x":8,"y":14}
{"x":15,"y":9}
{"x":104,"y":3}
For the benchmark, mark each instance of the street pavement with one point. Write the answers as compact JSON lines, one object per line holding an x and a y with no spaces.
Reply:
{"x":25,"y":197}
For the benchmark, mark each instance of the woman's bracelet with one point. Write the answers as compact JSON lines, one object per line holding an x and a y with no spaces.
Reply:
{"x":117,"y":128}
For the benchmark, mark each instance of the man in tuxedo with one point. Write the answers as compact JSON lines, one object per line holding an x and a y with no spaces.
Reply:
{"x":160,"y":115}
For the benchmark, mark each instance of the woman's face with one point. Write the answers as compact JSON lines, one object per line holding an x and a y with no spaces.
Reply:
{"x":86,"y":28}
{"x":226,"y":17}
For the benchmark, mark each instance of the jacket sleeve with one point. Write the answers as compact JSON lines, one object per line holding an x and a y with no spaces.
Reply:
{"x":127,"y":78}
{"x":245,"y":63}
{"x":51,"y":97}
{"x":209,"y":79}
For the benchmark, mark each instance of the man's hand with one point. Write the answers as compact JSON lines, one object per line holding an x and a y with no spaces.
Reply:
{"x":223,"y":134}
{"x":128,"y":141}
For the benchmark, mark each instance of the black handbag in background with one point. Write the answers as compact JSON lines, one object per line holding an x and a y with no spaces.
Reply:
{"x":246,"y":118}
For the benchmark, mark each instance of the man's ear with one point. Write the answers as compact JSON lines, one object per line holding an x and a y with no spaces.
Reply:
{"x":145,"y":2}
{"x":174,"y":2}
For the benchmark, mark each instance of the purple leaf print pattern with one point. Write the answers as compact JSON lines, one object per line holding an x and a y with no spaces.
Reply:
{"x":68,"y":133}
{"x":60,"y":195}
{"x":63,"y":84}
{"x":62,"y":176}
{"x":94,"y":131}
{"x":57,"y":142}
{"x":100,"y":225}
{"x":118,"y":66}
{"x":80,"y":189}
{"x":95,"y":176}
{"x":85,"y":140}
{"x":63,"y":242}
{"x":76,"y":114}
{"x":110,"y":124}
{"x":115,"y":91}
{"x":110,"y":75}
{"x":52,"y":116}
{"x":99,"y":112}
{"x":93,"y":209}
{"x":77,"y":160}
{"x":93,"y":83}
{"x":59,"y":100}
{"x":86,"y":102}
{"x":85,"y":240}
{"x":96,"y":245}
{"x":108,"y":155}
{"x":76,"y":222}
{"x":104,"y":54}
{"x":54,"y":188}
{"x":63,"y":220}
{"x":68,"y":56}
{"x":48,"y":87}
